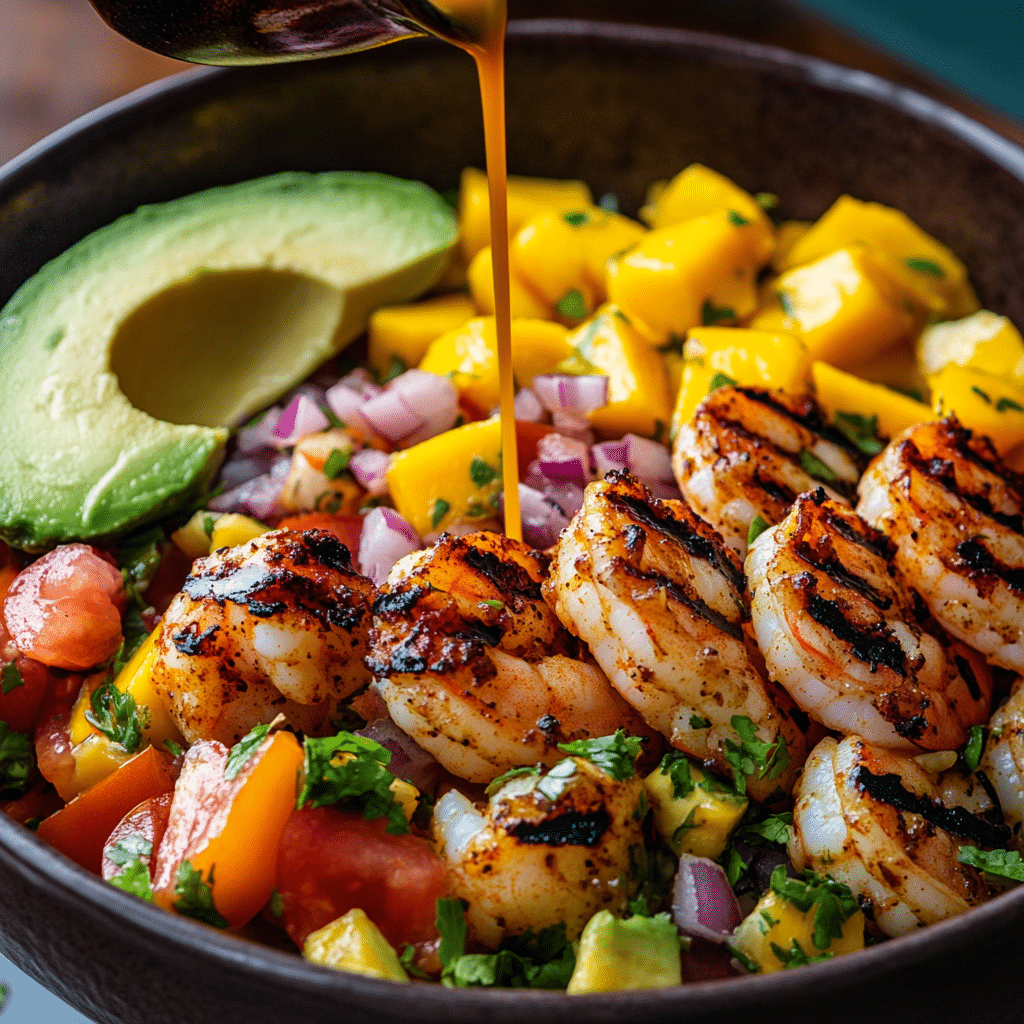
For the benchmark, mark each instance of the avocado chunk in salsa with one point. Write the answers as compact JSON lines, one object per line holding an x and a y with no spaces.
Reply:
{"x":126,"y":360}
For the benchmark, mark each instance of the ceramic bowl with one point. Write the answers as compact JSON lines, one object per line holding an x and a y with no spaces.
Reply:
{"x":620,"y":107}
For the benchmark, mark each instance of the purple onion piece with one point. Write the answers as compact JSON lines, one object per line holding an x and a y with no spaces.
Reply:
{"x":609,"y":455}
{"x":386,"y":538}
{"x":241,"y":470}
{"x":370,"y":468}
{"x":260,"y":435}
{"x":570,"y":425}
{"x":435,"y":398}
{"x":409,"y":760}
{"x":703,"y":903}
{"x":347,"y":404}
{"x":529,"y":408}
{"x":392,"y":416}
{"x":563,"y":459}
{"x":577,"y":394}
{"x":302,"y":416}
{"x":259,"y":497}
{"x":542,"y":519}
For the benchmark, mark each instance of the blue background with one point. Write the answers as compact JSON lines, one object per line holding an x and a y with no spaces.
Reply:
{"x":975,"y":49}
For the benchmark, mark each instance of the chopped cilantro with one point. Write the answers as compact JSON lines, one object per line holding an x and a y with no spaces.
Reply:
{"x":737,"y":219}
{"x":766,"y":200}
{"x":553,"y":783}
{"x":750,"y":966}
{"x":776,"y":828}
{"x":498,"y":606}
{"x":696,"y":722}
{"x":971,"y":754}
{"x":208,"y":524}
{"x":513,"y":773}
{"x":128,"y":854}
{"x":451,"y":926}
{"x":275,"y":904}
{"x":396,"y":369}
{"x":134,"y":633}
{"x":861,"y":431}
{"x":406,"y":960}
{"x":572,"y":305}
{"x":332,"y":417}
{"x":925,"y":266}
{"x":813,"y":466}
{"x":757,"y":526}
{"x":10,"y":678}
{"x":175,"y":749}
{"x":795,"y":955}
{"x":139,"y":555}
{"x":689,"y":822}
{"x":116,"y":716}
{"x":134,"y":879}
{"x":981,"y":394}
{"x":751,"y":755}
{"x":337,"y":462}
{"x":482,"y":473}
{"x":785,"y":301}
{"x":721,"y":380}
{"x":1008,"y":403}
{"x":132,"y":847}
{"x":244,"y":749}
{"x":576,"y":218}
{"x":17,"y":759}
{"x":357,"y":782}
{"x":1000,"y":866}
{"x":440,"y":510}
{"x":710,"y":314}
{"x":734,"y":864}
{"x":614,"y":754}
{"x":195,"y":897}
{"x":676,"y":766}
{"x":833,"y":901}
{"x":767,"y":922}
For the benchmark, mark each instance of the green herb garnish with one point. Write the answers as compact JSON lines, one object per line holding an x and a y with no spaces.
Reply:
{"x":696,"y":722}
{"x":813,"y":466}
{"x":513,"y":773}
{"x":614,"y":754}
{"x":737,"y":219}
{"x":861,"y":431}
{"x":116,"y":716}
{"x":440,"y":510}
{"x":1008,"y":403}
{"x":572,"y":305}
{"x":710,"y":314}
{"x":757,"y":526}
{"x":721,"y":380}
{"x":576,"y":218}
{"x":17,"y":759}
{"x":244,"y":749}
{"x":482,"y":473}
{"x":1000,"y":866}
{"x":750,"y":966}
{"x":925,"y":266}
{"x":971,"y":754}
{"x":795,"y":955}
{"x":752,"y":756}
{"x":833,"y":901}
{"x":10,"y":678}
{"x":396,"y":369}
{"x":195,"y":896}
{"x":677,"y":767}
{"x":337,"y":462}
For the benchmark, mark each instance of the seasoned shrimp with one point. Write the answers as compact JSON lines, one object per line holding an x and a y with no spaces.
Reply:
{"x":839,"y":632}
{"x":475,"y":667}
{"x":277,"y":625}
{"x":548,"y":849}
{"x":872,"y":819}
{"x":954,"y":512}
{"x":1003,"y":760}
{"x":658,"y":597}
{"x":749,"y":453}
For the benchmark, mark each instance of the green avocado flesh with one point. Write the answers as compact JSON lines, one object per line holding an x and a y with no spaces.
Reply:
{"x":125,"y":361}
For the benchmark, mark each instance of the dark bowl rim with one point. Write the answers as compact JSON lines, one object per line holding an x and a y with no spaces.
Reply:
{"x":38,"y":864}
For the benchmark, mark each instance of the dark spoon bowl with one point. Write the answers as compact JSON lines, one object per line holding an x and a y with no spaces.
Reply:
{"x":619,"y":107}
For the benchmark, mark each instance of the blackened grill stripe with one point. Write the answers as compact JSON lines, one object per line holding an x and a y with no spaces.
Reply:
{"x":838,"y":573}
{"x":889,"y":789}
{"x":978,"y":558}
{"x":191,"y":643}
{"x":509,"y":577}
{"x":969,"y":677}
{"x":570,"y":829}
{"x":398,"y":602}
{"x":874,"y":648}
{"x":872,"y":540}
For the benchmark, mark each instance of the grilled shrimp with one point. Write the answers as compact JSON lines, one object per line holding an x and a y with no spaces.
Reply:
{"x":547,"y":849}
{"x":954,"y":512}
{"x":474,"y":666}
{"x":839,"y":632}
{"x":749,"y":453}
{"x":871,"y":818}
{"x":658,"y":598}
{"x":277,"y":625}
{"x":1003,"y":760}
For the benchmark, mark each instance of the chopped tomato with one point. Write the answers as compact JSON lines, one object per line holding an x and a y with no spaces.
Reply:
{"x":528,"y":436}
{"x":148,"y":821}
{"x":52,"y":740}
{"x":39,"y":802}
{"x":331,"y":862}
{"x":65,"y":608}
{"x":348,"y":529}
{"x":20,"y":705}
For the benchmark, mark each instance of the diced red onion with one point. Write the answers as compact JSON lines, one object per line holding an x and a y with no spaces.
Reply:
{"x":239,"y":471}
{"x":386,"y":538}
{"x":370,"y":467}
{"x":651,"y":463}
{"x":409,"y":760}
{"x":703,"y":903}
{"x":301,"y":416}
{"x":542,"y":519}
{"x":313,"y":392}
{"x":391,"y":416}
{"x":361,"y":381}
{"x":529,"y":408}
{"x":433,"y":397}
{"x":347,"y":404}
{"x":259,"y":497}
{"x":567,"y":496}
{"x":578,"y":394}
{"x":564,"y":459}
{"x":609,"y":455}
{"x":572,"y":426}
{"x":260,"y":435}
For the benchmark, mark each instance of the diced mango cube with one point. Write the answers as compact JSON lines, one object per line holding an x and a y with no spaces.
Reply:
{"x":405,"y":332}
{"x":987,"y":404}
{"x":452,"y":477}
{"x":703,"y":271}
{"x":548,"y":256}
{"x":194,"y":537}
{"x":983,"y":341}
{"x":845,"y":307}
{"x":354,"y":943}
{"x":698,"y":822}
{"x":843,"y":392}
{"x":922,"y":265}
{"x":524,"y":303}
{"x":638,"y":396}
{"x":233,"y":529}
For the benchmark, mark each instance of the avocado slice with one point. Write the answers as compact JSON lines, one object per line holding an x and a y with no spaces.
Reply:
{"x":125,"y":360}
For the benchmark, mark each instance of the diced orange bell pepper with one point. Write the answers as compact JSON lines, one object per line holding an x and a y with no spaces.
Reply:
{"x":81,"y":829}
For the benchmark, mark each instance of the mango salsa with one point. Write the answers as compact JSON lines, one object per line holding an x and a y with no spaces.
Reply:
{"x":983,"y":341}
{"x":524,"y":303}
{"x":405,"y":332}
{"x":987,"y":404}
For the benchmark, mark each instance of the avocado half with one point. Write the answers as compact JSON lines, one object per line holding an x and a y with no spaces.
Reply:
{"x":125,"y":361}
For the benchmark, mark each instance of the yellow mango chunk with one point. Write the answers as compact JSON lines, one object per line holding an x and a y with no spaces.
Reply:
{"x":604,"y":236}
{"x":983,"y":341}
{"x":638,"y":395}
{"x":468,"y":487}
{"x":987,"y":404}
{"x":194,"y":537}
{"x":777,"y":933}
{"x":522,"y":300}
{"x":548,"y":256}
{"x":233,"y":529}
{"x":698,"y":822}
{"x":354,"y":943}
{"x":698,"y":190}
{"x":921,"y":264}
{"x":405,"y":332}
{"x":845,"y":307}
{"x":844,"y":392}
{"x":538,"y":346}
{"x":770,"y":359}
{"x":702,"y":271}
{"x":526,"y":197}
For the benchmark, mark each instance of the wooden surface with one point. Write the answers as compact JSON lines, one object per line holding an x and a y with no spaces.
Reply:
{"x":58,"y":59}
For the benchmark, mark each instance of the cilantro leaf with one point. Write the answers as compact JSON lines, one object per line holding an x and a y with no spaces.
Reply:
{"x":737,"y":219}
{"x":576,"y":218}
{"x":710,"y":314}
{"x":751,"y":755}
{"x":209,"y":522}
{"x":543,"y":960}
{"x":351,"y":771}
{"x":813,"y":466}
{"x":513,"y":773}
{"x":132,"y":847}
{"x":1008,"y":403}
{"x":195,"y":897}
{"x":572,"y":305}
{"x":795,"y":955}
{"x":17,"y":759}
{"x":833,"y":901}
{"x":925,"y":266}
{"x":440,"y":510}
{"x":482,"y":473}
{"x":553,"y":784}
{"x":860,"y":431}
{"x":776,"y":828}
{"x":135,"y":632}
{"x":337,"y":462}
{"x":983,"y":395}
{"x":696,"y":722}
{"x":174,"y":749}
{"x":734,"y":865}
{"x":1000,"y":866}
{"x":750,"y":966}
{"x":677,"y":767}
{"x":451,"y":926}
{"x":971,"y":754}
{"x":766,"y":200}
{"x":721,"y":380}
{"x":396,"y":369}
{"x":134,"y":879}
{"x":757,"y":526}
{"x":614,"y":754}
{"x":406,"y":960}
{"x":10,"y":678}
{"x":244,"y":749}
{"x":116,"y":716}
{"x":786,"y":302}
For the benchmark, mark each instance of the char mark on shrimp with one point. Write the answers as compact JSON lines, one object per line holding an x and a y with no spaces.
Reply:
{"x":571,"y":829}
{"x":980,"y":563}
